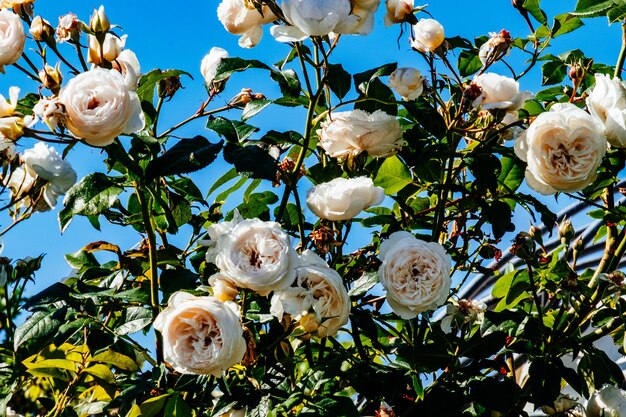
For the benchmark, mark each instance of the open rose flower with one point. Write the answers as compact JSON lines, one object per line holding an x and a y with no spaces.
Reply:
{"x":99,"y":107}
{"x":352,"y":132}
{"x":12,"y":38}
{"x":253,"y":254}
{"x":499,"y":92}
{"x":128,"y":65}
{"x":343,"y":198}
{"x":318,"y":292}
{"x":609,"y":401}
{"x":397,"y":11}
{"x":209,"y":64}
{"x":201,"y":335}
{"x":11,"y":125}
{"x":48,"y":110}
{"x":415,"y":274}
{"x":428,"y":35}
{"x":463,"y":311}
{"x":408,"y":82}
{"x":563,"y":148}
{"x":607,"y":101}
{"x":241,"y":18}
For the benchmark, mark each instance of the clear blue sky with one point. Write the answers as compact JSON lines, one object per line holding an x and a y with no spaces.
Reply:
{"x":177,"y":35}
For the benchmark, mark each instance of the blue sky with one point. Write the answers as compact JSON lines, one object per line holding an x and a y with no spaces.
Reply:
{"x":170,"y":35}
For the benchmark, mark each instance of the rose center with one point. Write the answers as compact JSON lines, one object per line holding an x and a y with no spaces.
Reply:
{"x":93,"y":103}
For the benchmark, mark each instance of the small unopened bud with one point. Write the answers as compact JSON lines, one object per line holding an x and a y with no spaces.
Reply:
{"x":576,"y":72}
{"x":523,"y":246}
{"x":169,"y":86}
{"x":223,"y":289}
{"x":536,"y":234}
{"x":309,"y":323}
{"x":42,"y":30}
{"x":51,"y":78}
{"x":99,"y":22}
{"x":244,"y":97}
{"x":566,"y":231}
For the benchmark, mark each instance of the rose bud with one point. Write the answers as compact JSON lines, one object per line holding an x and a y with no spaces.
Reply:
{"x":428,"y":35}
{"x":407,"y":82}
{"x":209,"y":66}
{"x":99,"y":22}
{"x":42,"y":30}
{"x":51,"y":78}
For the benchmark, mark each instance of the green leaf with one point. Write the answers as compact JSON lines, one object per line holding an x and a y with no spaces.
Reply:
{"x":553,"y":72}
{"x":533,"y":8}
{"x":153,"y":406}
{"x":362,"y":285}
{"x":592,"y":8}
{"x":177,"y":407}
{"x":469,"y":63}
{"x":135,"y":319}
{"x":615,"y":14}
{"x":116,"y":359}
{"x":257,"y":205}
{"x":393,"y":176}
{"x":147,"y":82}
{"x":41,"y":325}
{"x":254,"y":107}
{"x":565,"y":23}
{"x":338,"y":79}
{"x":188,"y":155}
{"x":228,"y":66}
{"x":287,"y":81}
{"x":231,"y":130}
{"x":251,"y":161}
{"x":101,"y":372}
{"x":94,"y":194}
{"x":511,"y":174}
{"x":377,"y":96}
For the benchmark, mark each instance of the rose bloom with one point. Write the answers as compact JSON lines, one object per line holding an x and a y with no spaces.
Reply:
{"x":415,"y":274}
{"x":364,"y":11}
{"x":210,"y":62}
{"x":201,"y":335}
{"x":314,"y":18}
{"x":100,"y":107}
{"x":253,"y":254}
{"x":407,"y":82}
{"x":343,"y":198}
{"x":68,"y":27}
{"x":463,"y":311}
{"x":499,"y":92}
{"x":352,"y":132}
{"x":428,"y":34}
{"x":12,"y":38}
{"x":110,"y":49}
{"x":563,"y":148}
{"x":318,"y":291}
{"x":397,"y":10}
{"x":498,"y":45}
{"x":240,"y":19}
{"x":223,"y":288}
{"x":609,"y":401}
{"x":607,"y":101}
{"x":11,"y":126}
{"x":50,"y":111}
{"x":43,"y":161}
{"x":127,"y":64}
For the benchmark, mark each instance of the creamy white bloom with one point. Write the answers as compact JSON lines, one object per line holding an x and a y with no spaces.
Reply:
{"x":44,"y":162}
{"x":607,"y":101}
{"x":110,"y":49}
{"x":609,"y":401}
{"x":210,"y":62}
{"x":128,"y":65}
{"x":343,"y":198}
{"x":239,"y":18}
{"x":407,"y":82}
{"x":364,"y":11}
{"x":254,"y":254}
{"x":352,"y":132}
{"x":223,"y":288}
{"x":201,"y":335}
{"x":314,"y":18}
{"x":11,"y":125}
{"x":563,"y":148}
{"x":20,"y":183}
{"x":499,"y":92}
{"x":68,"y":27}
{"x":100,"y":107}
{"x":397,"y":10}
{"x":415,"y":274}
{"x":428,"y":35}
{"x":463,"y":311}
{"x":317,"y":290}
{"x":12,"y":38}
{"x":50,"y":111}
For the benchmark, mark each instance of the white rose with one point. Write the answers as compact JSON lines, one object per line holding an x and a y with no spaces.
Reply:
{"x":563,"y":148}
{"x":223,"y":288}
{"x":609,"y":401}
{"x":256,"y":255}
{"x":11,"y":126}
{"x":201,"y":335}
{"x":407,"y":82}
{"x":50,"y":111}
{"x":317,"y":290}
{"x":499,"y":92}
{"x":110,"y":49}
{"x":397,"y":10}
{"x":343,"y":198}
{"x":607,"y":101}
{"x":364,"y":11}
{"x":463,"y":311}
{"x":314,"y":18}
{"x":352,"y":132}
{"x":99,"y":107}
{"x":128,"y":65}
{"x":428,"y":34}
{"x":12,"y":38}
{"x":210,"y":62}
{"x":239,"y":19}
{"x":415,"y":274}
{"x":44,"y":162}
